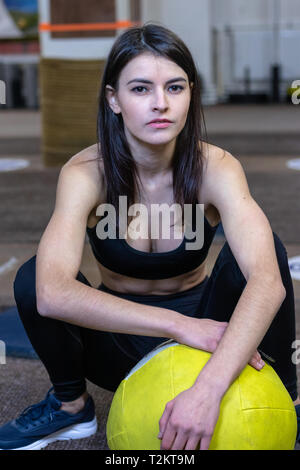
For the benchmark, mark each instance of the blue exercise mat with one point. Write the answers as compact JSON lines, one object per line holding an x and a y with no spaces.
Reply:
{"x":13,"y":334}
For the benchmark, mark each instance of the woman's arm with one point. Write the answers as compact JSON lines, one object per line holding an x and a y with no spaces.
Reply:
{"x":191,"y":417}
{"x":254,"y":312}
{"x":74,"y":302}
{"x":250,"y":238}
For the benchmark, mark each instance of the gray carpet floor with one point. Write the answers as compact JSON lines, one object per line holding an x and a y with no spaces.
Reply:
{"x":24,"y":382}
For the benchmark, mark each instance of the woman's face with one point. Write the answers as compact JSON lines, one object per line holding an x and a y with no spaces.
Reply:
{"x":150,"y":88}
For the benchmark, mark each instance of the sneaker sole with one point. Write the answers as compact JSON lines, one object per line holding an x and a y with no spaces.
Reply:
{"x":77,"y":431}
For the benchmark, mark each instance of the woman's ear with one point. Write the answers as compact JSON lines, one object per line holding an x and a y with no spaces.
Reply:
{"x":111,"y":97}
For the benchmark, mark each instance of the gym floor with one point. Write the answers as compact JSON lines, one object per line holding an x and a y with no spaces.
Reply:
{"x":263,"y":138}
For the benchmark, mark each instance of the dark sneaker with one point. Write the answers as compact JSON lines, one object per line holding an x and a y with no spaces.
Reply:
{"x":40,"y":424}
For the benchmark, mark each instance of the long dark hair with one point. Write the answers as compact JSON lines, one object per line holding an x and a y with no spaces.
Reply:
{"x":120,"y":170}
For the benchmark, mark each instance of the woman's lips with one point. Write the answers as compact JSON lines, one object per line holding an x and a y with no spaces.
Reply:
{"x":159,"y":125}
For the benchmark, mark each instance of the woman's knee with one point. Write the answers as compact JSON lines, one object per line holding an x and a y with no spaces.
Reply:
{"x":227,"y":264}
{"x":226,"y":258}
{"x":283,"y":264}
{"x":280,"y":249}
{"x":25,"y":279}
{"x":24,"y":287}
{"x":24,"y":283}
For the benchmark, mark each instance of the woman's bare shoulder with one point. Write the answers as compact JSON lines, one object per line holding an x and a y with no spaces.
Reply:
{"x":212,"y":154}
{"x":90,"y":163}
{"x":87,"y":155}
{"x":88,"y":160}
{"x":212,"y":157}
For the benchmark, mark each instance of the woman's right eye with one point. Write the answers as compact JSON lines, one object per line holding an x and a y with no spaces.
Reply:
{"x":138,"y":88}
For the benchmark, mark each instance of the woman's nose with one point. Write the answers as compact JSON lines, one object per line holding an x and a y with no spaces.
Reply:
{"x":160,"y":100}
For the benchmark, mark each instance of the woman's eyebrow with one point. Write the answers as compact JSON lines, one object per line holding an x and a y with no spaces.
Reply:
{"x":143,"y":80}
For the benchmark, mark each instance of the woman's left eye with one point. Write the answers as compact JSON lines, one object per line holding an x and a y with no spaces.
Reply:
{"x":177,"y":86}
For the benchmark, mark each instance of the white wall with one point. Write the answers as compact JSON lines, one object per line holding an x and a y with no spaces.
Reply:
{"x":191,"y":21}
{"x":290,"y":12}
{"x":254,"y":12}
{"x":239,"y":12}
{"x":259,"y":34}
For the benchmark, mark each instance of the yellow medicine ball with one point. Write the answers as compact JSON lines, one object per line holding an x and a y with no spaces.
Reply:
{"x":256,"y":413}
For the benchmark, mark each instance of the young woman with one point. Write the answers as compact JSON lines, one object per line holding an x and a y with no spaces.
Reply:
{"x":151,"y":149}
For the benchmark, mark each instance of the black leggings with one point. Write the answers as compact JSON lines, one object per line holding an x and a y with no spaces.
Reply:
{"x":72,"y":354}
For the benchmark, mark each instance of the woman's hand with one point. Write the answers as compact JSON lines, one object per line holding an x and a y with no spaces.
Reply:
{"x":205,"y":334}
{"x":189,"y":419}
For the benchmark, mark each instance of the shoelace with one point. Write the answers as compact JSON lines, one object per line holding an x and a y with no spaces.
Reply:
{"x":34,"y":412}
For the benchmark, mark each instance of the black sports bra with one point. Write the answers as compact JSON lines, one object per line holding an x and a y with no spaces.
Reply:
{"x":118,"y":256}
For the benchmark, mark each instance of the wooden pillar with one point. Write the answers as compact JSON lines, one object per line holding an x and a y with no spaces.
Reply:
{"x":69,"y":91}
{"x":71,"y":69}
